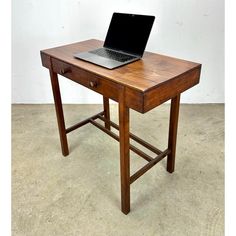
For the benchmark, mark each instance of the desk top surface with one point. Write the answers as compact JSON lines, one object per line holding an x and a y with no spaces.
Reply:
{"x":149,"y":72}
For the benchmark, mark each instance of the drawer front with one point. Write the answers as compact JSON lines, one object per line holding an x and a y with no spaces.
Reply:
{"x":94,"y":82}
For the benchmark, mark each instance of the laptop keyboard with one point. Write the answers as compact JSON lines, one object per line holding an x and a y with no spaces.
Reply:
{"x":104,"y":52}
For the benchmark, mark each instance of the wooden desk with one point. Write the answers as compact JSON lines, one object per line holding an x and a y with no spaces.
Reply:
{"x":142,"y":86}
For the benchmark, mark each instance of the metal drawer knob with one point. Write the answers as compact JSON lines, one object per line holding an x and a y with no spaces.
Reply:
{"x":93,"y":84}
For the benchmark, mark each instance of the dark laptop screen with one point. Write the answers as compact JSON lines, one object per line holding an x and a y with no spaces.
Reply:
{"x":129,"y":32}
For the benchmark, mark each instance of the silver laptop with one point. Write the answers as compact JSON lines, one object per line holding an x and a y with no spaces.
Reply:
{"x":125,"y":42}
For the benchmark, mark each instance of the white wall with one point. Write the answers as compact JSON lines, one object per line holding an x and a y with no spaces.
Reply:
{"x":188,"y":29}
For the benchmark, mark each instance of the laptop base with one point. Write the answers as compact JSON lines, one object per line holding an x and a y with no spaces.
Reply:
{"x":102,"y":61}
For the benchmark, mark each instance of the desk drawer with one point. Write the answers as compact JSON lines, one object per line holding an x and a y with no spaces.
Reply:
{"x":100,"y":85}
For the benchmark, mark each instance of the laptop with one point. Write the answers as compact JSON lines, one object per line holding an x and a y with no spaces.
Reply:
{"x":125,"y":41}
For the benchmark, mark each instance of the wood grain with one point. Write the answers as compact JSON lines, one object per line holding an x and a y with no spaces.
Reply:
{"x":59,"y":113}
{"x":152,"y":70}
{"x":124,"y":154}
{"x":149,"y":82}
{"x":173,"y":126}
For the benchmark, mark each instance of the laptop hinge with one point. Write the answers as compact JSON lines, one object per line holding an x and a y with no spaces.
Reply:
{"x":124,"y":52}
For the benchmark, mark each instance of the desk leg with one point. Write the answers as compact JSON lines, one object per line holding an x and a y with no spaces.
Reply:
{"x":173,"y":125}
{"x":59,"y":112}
{"x":124,"y":156}
{"x":106,"y":112}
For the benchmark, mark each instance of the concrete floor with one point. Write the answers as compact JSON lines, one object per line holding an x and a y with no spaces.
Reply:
{"x":80,"y":194}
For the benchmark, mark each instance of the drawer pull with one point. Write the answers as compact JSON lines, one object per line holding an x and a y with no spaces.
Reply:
{"x":93,"y":84}
{"x":65,"y":70}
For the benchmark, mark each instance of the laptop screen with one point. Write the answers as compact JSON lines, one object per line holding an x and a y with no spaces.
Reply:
{"x":129,"y":33}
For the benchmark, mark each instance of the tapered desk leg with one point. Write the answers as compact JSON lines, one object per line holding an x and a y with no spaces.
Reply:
{"x":124,"y":156}
{"x":173,"y":125}
{"x":59,"y":112}
{"x":106,"y":112}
